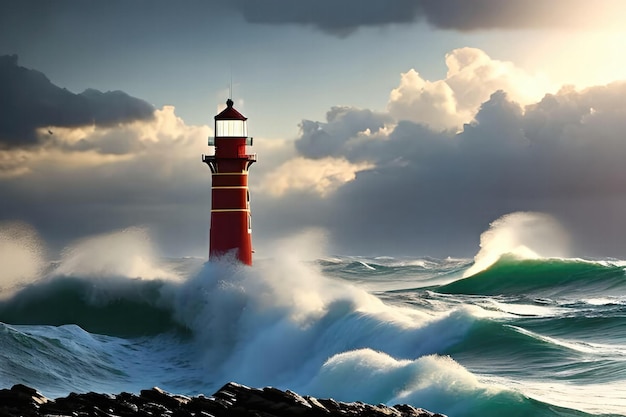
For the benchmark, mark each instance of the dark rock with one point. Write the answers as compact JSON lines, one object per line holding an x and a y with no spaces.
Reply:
{"x":232,"y":400}
{"x":157,"y":395}
{"x":317,"y":406}
{"x":208,"y":405}
{"x":409,"y":410}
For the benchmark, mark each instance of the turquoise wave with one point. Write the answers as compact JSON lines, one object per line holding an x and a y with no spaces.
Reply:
{"x":502,"y":347}
{"x":115,"y":307}
{"x":547,"y":277}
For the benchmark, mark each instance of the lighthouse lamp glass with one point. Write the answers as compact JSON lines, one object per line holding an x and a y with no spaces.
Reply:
{"x":231,"y":128}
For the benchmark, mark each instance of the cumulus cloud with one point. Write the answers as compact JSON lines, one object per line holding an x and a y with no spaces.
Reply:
{"x":431,"y":184}
{"x":433,"y":190}
{"x":471,"y":78}
{"x":30,"y":101}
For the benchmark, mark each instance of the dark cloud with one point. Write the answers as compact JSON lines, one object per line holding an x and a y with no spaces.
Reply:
{"x":32,"y":19}
{"x":319,"y":140}
{"x":342,"y":18}
{"x":336,"y":17}
{"x":30,"y":101}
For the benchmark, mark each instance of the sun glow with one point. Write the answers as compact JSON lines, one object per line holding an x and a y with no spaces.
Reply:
{"x":582,"y":58}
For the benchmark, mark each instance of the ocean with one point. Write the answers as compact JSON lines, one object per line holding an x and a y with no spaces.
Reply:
{"x":509,"y":332}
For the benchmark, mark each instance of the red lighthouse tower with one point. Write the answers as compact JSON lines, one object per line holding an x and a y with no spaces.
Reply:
{"x":231,"y":226}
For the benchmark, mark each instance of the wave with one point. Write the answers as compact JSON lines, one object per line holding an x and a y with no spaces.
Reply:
{"x":275,"y":324}
{"x":542,"y":277}
{"x":498,"y":347}
{"x":109,"y":284}
{"x":124,"y":321}
{"x":79,"y":361}
{"x":526,"y":235}
{"x":433,"y":381}
{"x":115,"y":306}
{"x":57,"y":360}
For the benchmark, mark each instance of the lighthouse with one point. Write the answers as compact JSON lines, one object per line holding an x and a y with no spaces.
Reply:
{"x":231,"y":224}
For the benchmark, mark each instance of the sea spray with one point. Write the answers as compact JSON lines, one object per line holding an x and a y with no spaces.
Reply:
{"x":22,"y":256}
{"x":525,"y":235}
{"x":127,"y":253}
{"x":269,"y":322}
{"x":278,"y":322}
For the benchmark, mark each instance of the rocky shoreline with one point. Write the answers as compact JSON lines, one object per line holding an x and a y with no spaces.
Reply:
{"x":232,"y":400}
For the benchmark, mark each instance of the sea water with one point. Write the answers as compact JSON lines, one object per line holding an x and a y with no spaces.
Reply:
{"x":509,"y":332}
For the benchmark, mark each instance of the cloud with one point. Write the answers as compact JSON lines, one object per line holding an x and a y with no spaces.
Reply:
{"x":321,"y":176}
{"x":30,"y":101}
{"x":338,"y":18}
{"x":431,"y":190}
{"x":30,"y":20}
{"x":343,"y":18}
{"x":319,"y":140}
{"x":471,"y":78}
{"x":517,"y":14}
{"x":434,"y":192}
{"x":75,"y":185}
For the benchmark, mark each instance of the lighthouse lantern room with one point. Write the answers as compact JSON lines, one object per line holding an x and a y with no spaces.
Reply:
{"x":231,"y":225}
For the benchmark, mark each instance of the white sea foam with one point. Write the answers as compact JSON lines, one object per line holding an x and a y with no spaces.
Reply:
{"x":526,"y":309}
{"x":604,"y":398}
{"x":433,"y":381}
{"x":601,"y":301}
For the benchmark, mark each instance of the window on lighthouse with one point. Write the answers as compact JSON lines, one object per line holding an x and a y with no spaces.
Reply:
{"x":231,"y":128}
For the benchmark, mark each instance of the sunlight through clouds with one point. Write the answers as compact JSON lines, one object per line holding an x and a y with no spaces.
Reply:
{"x":82,"y":148}
{"x":323,"y":176}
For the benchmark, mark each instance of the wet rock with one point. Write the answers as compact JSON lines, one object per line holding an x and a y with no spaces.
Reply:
{"x":232,"y":400}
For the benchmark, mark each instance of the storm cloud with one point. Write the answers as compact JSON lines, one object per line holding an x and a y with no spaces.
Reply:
{"x":340,"y":18}
{"x":30,"y":102}
{"x":429,"y":190}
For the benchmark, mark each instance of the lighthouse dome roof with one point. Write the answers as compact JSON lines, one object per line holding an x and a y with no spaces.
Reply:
{"x":229,"y":113}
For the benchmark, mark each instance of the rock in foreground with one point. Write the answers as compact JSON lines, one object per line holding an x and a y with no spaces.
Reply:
{"x":232,"y":400}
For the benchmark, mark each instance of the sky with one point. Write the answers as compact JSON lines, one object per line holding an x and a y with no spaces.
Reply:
{"x":396,"y":128}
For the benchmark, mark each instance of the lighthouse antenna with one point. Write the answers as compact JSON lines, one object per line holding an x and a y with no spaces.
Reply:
{"x":230,"y":89}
